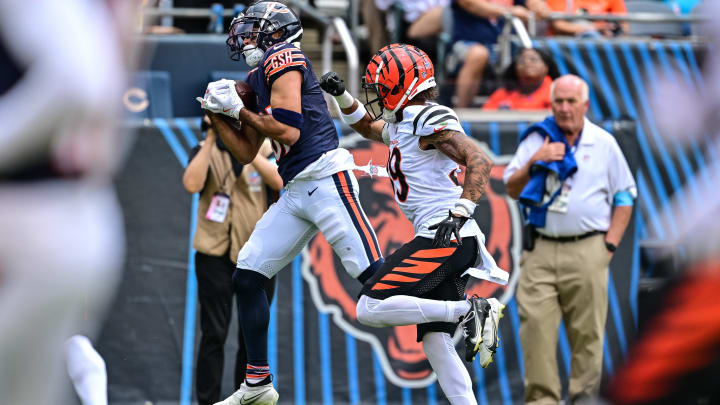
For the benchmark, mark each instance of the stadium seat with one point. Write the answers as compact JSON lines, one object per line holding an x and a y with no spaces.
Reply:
{"x":660,"y":29}
{"x":228,"y":74}
{"x":148,"y":95}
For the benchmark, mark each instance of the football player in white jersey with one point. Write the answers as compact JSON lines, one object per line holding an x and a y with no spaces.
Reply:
{"x":423,"y":282}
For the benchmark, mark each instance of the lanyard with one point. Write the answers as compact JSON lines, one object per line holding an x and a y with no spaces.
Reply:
{"x":224,"y":187}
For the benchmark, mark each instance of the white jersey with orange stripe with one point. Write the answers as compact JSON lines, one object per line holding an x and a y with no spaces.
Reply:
{"x":425,"y":181}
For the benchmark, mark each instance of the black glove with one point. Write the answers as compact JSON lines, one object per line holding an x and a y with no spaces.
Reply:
{"x":445,"y":230}
{"x":332,"y":84}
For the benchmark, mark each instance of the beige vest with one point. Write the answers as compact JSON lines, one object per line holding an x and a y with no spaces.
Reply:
{"x":248,"y":202}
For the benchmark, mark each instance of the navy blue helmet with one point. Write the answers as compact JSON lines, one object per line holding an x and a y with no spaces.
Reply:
{"x":260,"y":21}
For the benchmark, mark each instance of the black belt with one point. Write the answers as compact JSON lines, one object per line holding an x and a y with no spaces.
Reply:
{"x":563,"y":239}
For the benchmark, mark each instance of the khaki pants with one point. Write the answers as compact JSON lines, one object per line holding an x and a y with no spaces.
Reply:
{"x":565,"y":281}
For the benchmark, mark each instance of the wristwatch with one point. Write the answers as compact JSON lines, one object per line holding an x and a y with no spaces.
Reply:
{"x":610,"y":247}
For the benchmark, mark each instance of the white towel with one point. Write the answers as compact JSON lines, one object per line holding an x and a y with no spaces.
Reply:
{"x":489,"y":270}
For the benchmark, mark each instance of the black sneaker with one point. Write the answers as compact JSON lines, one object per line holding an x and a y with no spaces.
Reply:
{"x":472,"y":324}
{"x":490,"y":338}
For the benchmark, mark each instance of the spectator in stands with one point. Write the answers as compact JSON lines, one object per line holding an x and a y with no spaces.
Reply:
{"x":233,"y":197}
{"x":588,"y":7}
{"x":424,"y":17}
{"x":373,"y":14}
{"x":526,"y":83}
{"x":476,"y":27}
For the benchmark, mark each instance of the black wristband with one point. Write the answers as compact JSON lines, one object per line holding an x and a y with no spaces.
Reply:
{"x":610,"y":247}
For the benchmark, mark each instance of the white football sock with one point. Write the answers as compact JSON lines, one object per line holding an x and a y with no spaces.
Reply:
{"x":401,"y":310}
{"x":87,"y":370}
{"x":461,"y":309}
{"x":453,"y":377}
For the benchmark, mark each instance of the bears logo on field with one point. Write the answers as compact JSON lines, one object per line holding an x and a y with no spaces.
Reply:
{"x":334,"y":291}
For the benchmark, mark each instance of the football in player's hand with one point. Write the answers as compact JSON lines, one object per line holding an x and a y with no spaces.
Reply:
{"x":247,"y":95}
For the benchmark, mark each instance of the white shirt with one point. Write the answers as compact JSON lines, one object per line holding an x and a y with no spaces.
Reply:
{"x":413,"y":8}
{"x":602,"y":173}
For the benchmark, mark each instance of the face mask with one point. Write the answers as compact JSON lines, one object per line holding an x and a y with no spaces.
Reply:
{"x":252,"y":55}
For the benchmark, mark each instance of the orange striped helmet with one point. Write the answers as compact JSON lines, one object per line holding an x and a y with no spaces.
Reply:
{"x":397,"y":73}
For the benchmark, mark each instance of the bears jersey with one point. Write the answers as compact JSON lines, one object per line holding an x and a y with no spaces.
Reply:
{"x":425,"y":181}
{"x":317,"y":135}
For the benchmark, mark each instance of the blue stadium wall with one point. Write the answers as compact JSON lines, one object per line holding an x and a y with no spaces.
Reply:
{"x":318,"y":352}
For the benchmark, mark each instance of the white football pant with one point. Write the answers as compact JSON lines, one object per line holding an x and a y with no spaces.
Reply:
{"x":331,"y":205}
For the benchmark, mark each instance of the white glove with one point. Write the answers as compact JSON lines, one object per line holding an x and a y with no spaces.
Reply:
{"x":209,"y":103}
{"x":219,"y":83}
{"x":223,"y":92}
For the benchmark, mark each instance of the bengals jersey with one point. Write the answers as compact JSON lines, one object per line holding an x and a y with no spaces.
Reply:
{"x":425,"y":181}
{"x":318,"y":137}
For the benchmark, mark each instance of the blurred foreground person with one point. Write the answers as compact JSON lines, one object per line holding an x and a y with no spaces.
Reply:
{"x":660,"y":368}
{"x":676,"y":358}
{"x":62,"y":73}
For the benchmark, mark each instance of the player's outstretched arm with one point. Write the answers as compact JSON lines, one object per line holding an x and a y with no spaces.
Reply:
{"x":366,"y":127}
{"x":243,"y":145}
{"x":353,"y":112}
{"x":460,"y":148}
{"x":285,"y":121}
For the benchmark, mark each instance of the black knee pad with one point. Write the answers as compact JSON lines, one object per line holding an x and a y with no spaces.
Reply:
{"x":247,"y":280}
